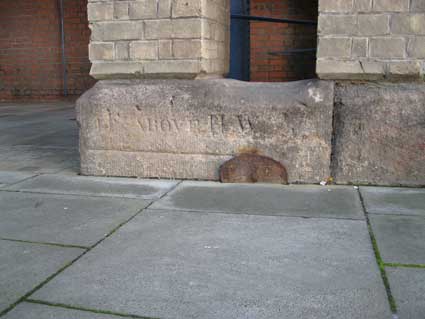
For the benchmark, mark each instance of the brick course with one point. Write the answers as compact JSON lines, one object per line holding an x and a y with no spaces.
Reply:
{"x":30,"y":49}
{"x":268,"y":38}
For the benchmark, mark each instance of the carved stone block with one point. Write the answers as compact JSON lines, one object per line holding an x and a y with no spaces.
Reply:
{"x":186,"y":129}
{"x":379,"y":134}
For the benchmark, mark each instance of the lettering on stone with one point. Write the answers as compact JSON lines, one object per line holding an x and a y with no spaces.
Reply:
{"x":104,"y":121}
{"x":212,"y":124}
{"x":217,"y":124}
{"x":164,"y":125}
{"x":194,"y":125}
{"x":245,"y":123}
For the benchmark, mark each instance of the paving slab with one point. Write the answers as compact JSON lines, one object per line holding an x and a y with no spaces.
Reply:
{"x":33,"y":106}
{"x":63,"y":219}
{"x":401,"y":239}
{"x":8,"y":178}
{"x":23,"y":266}
{"x":38,"y":138}
{"x":60,"y":138}
{"x":175,"y":264}
{"x":397,"y":201}
{"x":34,"y":110}
{"x":41,"y":131}
{"x":307,"y":201}
{"x":40,"y":121}
{"x":35,"y":311}
{"x":98,"y":186}
{"x":408,"y":289}
{"x":37,"y":159}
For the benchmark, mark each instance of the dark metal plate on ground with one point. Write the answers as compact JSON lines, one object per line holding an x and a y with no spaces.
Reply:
{"x":253,"y":168}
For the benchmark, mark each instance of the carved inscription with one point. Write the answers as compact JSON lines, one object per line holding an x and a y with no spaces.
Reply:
{"x":211,"y":124}
{"x":167,"y":125}
{"x":106,"y":120}
{"x":215,"y":124}
{"x":159,"y":125}
{"x":245,"y":123}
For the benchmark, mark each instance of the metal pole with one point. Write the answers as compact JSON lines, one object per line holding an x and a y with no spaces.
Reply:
{"x":62,"y":29}
{"x":294,"y":51}
{"x":266,"y":19}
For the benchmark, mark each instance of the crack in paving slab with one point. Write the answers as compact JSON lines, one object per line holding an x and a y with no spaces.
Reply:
{"x":44,"y":243}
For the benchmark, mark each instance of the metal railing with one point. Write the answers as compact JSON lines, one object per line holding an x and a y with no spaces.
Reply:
{"x":276,"y":20}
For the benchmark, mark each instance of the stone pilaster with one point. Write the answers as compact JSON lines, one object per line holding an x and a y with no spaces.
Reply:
{"x":159,"y":38}
{"x":371,"y":40}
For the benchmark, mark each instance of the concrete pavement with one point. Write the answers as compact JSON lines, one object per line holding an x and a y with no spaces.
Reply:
{"x":104,"y":248}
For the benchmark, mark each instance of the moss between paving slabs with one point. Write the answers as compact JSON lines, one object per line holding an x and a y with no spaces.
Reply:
{"x":397,"y":265}
{"x":381,"y":266}
{"x":378,"y":257}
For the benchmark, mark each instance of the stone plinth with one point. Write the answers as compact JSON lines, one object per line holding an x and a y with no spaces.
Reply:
{"x":186,"y":129}
{"x":379,"y":134}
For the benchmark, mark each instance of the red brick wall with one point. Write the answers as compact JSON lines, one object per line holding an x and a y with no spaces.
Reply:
{"x":269,"y":37}
{"x":30,"y":49}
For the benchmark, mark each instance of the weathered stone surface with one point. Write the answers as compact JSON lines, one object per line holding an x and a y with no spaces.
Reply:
{"x":356,"y":70}
{"x":198,"y":30}
{"x":335,"y":47}
{"x":335,"y":5}
{"x":387,"y":48}
{"x":391,"y":5}
{"x":187,"y":129}
{"x":379,"y":134}
{"x":371,"y":40}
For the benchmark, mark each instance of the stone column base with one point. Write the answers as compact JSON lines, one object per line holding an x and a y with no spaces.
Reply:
{"x":186,"y":129}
